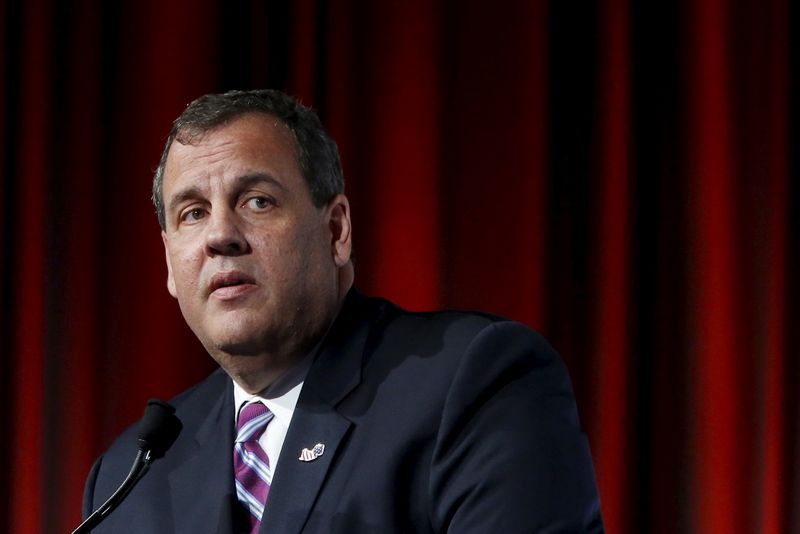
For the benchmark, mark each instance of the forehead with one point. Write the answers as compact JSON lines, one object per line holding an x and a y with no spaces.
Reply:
{"x":255,"y":123}
{"x":251,"y":140}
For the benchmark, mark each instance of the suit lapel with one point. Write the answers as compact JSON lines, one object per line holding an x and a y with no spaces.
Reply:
{"x":202,"y":484}
{"x":336,"y":372}
{"x":296,"y":483}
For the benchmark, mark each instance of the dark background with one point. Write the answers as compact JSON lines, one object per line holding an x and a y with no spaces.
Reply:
{"x":619,"y":175}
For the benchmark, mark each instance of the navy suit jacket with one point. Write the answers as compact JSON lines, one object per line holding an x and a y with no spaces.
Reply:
{"x":431,"y":422}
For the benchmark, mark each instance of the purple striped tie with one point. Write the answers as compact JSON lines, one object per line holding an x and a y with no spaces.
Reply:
{"x":250,"y":463}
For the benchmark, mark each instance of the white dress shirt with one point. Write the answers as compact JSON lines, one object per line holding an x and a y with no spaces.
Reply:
{"x":280,"y":398}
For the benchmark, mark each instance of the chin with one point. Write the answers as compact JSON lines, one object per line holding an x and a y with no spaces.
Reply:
{"x":236,"y":331}
{"x":243,"y":345}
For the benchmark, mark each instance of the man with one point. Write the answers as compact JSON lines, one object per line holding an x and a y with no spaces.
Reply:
{"x":332,"y":411}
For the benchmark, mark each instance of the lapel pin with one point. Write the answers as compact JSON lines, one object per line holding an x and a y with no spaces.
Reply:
{"x":307,"y":455}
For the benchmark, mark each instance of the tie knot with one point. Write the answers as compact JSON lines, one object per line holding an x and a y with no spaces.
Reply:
{"x":252,"y":421}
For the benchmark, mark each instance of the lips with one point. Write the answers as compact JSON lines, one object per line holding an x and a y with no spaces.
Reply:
{"x":230,"y":284}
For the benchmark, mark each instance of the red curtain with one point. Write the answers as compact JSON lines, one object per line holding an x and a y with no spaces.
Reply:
{"x":616,"y":174}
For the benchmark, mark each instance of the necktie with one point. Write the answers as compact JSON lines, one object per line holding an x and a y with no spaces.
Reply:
{"x":251,"y":468}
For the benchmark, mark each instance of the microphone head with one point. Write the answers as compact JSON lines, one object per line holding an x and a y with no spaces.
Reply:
{"x":159,"y":428}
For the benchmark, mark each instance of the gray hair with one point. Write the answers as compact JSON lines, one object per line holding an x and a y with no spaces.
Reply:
{"x":316,"y":151}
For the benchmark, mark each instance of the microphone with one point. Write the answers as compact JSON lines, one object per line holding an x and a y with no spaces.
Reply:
{"x":158,"y":430}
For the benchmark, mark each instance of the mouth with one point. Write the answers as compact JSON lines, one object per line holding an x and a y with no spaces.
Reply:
{"x":230,"y":284}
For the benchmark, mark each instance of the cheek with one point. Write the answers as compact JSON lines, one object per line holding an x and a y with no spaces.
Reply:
{"x":311,"y":248}
{"x":185,"y":271}
{"x":290,"y":259}
{"x":317,"y":266}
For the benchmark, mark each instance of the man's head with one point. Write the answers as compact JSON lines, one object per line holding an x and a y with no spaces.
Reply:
{"x":257,"y":241}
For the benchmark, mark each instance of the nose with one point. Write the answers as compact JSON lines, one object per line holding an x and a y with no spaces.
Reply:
{"x":223,"y":235}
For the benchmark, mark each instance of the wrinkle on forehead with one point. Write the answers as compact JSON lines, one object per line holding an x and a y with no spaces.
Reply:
{"x":212,"y":153}
{"x":230,"y":136}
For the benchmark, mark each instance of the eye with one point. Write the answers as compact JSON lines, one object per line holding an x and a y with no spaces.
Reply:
{"x":193,"y":215}
{"x":259,"y":203}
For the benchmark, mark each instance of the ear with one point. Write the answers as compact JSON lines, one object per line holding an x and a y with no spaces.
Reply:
{"x":170,"y":279}
{"x":339,"y":224}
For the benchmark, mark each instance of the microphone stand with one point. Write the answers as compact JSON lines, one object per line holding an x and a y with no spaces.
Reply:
{"x":140,"y":466}
{"x":158,"y":430}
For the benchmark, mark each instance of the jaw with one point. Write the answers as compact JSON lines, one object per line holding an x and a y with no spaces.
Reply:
{"x":255,"y":351}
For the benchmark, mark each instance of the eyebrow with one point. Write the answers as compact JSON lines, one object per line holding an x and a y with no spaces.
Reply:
{"x":241,"y":182}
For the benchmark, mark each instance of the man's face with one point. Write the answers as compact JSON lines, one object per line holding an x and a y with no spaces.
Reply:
{"x":252,"y":262}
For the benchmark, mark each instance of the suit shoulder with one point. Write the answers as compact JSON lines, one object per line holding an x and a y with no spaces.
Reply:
{"x":216,"y":381}
{"x":452,"y":325}
{"x":186,"y":403}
